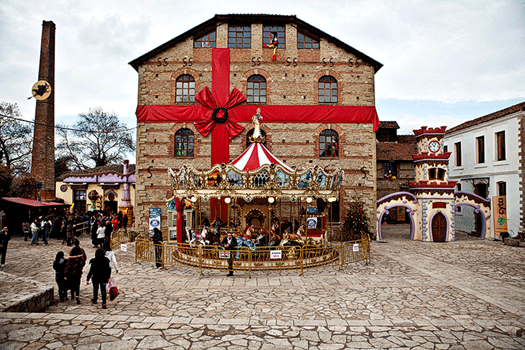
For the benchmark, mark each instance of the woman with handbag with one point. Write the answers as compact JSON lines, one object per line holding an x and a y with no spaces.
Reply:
{"x":100,"y":272}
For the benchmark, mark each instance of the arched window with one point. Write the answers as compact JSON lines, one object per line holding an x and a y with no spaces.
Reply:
{"x":185,"y":89}
{"x":256,"y":89}
{"x":328,"y":143}
{"x":250,"y":134}
{"x":327,"y":89}
{"x":184,"y":143}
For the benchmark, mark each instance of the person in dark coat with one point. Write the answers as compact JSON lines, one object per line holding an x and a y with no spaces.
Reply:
{"x":94,"y":229}
{"x":4,"y":239}
{"x":229,"y":243}
{"x":74,"y":266}
{"x":60,"y":267}
{"x":157,"y":240}
{"x":100,"y":272}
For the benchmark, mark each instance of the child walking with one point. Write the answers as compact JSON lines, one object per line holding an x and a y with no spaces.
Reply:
{"x":100,"y":272}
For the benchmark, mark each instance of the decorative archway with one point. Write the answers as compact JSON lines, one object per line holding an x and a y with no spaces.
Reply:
{"x":398,"y":199}
{"x":480,"y":212}
{"x":254,"y":217}
{"x":386,"y":211}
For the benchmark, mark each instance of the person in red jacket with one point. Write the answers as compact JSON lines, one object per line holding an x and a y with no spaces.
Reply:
{"x":73,"y":271}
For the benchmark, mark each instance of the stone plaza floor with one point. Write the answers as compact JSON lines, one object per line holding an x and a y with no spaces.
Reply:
{"x":467,"y":294}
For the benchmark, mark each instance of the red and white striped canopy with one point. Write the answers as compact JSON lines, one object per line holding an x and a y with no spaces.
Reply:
{"x":255,"y":156}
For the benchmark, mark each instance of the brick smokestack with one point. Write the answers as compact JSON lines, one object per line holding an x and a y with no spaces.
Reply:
{"x":43,"y":162}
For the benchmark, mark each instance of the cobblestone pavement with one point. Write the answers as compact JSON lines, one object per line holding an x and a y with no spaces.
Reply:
{"x":467,"y":294}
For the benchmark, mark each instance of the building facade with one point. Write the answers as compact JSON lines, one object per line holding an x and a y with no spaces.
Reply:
{"x":110,"y":188}
{"x":487,"y":159}
{"x":395,"y":166}
{"x":299,"y":84}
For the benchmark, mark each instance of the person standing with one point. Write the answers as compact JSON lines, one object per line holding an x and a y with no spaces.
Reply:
{"x":157,"y":241}
{"x":101,"y":234}
{"x":34,"y":232}
{"x":94,"y":228}
{"x":46,"y":226}
{"x":26,"y":228}
{"x":69,"y":231}
{"x":4,"y":239}
{"x":229,"y":243}
{"x":73,"y":271}
{"x":60,"y":266}
{"x":100,"y":272}
{"x":110,"y":254}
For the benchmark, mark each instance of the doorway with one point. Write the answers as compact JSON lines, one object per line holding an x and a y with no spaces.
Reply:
{"x":439,"y":228}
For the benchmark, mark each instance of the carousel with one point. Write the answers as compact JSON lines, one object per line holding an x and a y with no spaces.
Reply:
{"x":272,"y":209}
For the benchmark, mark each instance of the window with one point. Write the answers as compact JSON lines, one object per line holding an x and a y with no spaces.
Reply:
{"x":445,"y":148}
{"x":502,"y":188}
{"x":256,"y":89}
{"x":79,"y":199}
{"x":457,"y":146}
{"x":207,"y":40}
{"x":390,"y":169}
{"x":327,"y":89}
{"x":305,"y":42}
{"x":500,"y":145}
{"x":184,"y":143}
{"x":239,"y":37}
{"x":250,"y":134}
{"x":185,"y":89}
{"x":458,"y":188}
{"x":328,"y":143}
{"x":436,"y":174}
{"x":267,"y":35}
{"x":480,"y":142}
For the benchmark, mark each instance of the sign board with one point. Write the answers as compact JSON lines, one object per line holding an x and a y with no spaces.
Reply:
{"x":124,"y":247}
{"x":224,"y":254}
{"x":355,"y":247}
{"x":499,"y":214}
{"x":311,"y":222}
{"x":401,"y":214}
{"x":154,"y":218}
{"x":275,"y":254}
{"x":311,"y":210}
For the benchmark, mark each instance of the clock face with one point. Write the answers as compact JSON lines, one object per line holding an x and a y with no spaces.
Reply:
{"x":434,"y":146}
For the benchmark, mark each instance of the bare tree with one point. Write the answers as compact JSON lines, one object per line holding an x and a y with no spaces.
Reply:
{"x":16,"y":140}
{"x":98,"y":139}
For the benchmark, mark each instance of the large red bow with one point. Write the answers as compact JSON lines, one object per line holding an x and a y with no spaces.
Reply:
{"x":219,"y":114}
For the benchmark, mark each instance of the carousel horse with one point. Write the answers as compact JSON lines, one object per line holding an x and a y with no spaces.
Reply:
{"x":197,"y":237}
{"x":262,"y":239}
{"x":291,"y":239}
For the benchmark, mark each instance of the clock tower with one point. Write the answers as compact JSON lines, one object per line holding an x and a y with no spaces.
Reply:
{"x":433,"y":190}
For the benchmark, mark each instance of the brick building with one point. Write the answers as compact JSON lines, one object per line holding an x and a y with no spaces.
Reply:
{"x":395,"y":166}
{"x":312,"y":71}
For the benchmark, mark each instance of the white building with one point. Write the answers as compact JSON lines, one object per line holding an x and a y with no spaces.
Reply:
{"x":487,"y":159}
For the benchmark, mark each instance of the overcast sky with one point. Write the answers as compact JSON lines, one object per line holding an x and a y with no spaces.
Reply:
{"x":444,"y":62}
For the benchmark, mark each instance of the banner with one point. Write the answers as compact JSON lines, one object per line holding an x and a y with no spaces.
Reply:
{"x":154,"y":218}
{"x":499,"y":214}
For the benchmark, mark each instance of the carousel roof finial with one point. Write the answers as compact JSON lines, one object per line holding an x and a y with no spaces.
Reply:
{"x":257,"y":136}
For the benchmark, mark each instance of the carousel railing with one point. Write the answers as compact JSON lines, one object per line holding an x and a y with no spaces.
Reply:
{"x":262,"y":258}
{"x":121,"y":236}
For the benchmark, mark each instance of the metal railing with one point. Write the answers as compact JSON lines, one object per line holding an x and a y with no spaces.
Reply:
{"x":121,"y":236}
{"x":274,"y":258}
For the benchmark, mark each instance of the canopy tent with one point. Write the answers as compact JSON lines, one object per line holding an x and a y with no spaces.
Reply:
{"x":256,"y":156}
